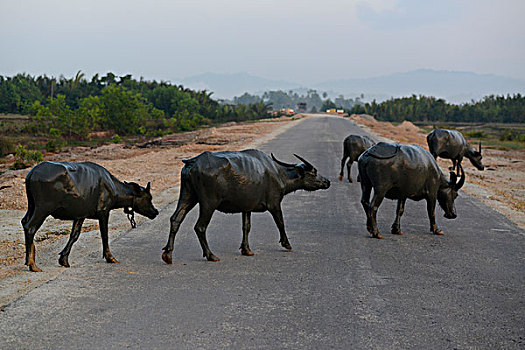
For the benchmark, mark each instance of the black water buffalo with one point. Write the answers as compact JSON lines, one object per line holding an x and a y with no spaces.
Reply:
{"x":353,"y":147}
{"x":405,"y":171}
{"x":238,"y":182}
{"x":78,"y":191}
{"x":451,"y":144}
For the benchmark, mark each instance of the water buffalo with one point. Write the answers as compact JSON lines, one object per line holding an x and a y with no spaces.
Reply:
{"x":353,"y":146}
{"x":238,"y":182}
{"x":451,"y":144}
{"x":405,"y":171}
{"x":78,"y":191}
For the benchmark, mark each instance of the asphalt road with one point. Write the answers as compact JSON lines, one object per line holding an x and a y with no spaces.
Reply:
{"x":338,"y":288}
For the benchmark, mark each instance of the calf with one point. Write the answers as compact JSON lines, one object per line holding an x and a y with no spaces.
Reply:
{"x":353,"y":147}
{"x":238,"y":182}
{"x":78,"y":191}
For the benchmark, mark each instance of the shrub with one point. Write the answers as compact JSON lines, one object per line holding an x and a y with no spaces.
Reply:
{"x":25,"y":158}
{"x":475,"y":134}
{"x":116,"y":139}
{"x":512,"y":135}
{"x":6,"y":147}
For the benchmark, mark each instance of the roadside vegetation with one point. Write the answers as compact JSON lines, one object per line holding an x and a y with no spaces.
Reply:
{"x":43,"y":113}
{"x":47,"y":113}
{"x":491,"y":109}
{"x":498,"y":121}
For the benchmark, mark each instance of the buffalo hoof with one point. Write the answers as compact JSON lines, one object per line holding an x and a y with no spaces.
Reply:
{"x":377,"y":235}
{"x":247,"y":252}
{"x":34,"y":268}
{"x":350,"y":180}
{"x":287,"y":246}
{"x":63,"y":261}
{"x":396,"y":232}
{"x":340,"y":177}
{"x":167,"y":258}
{"x":213,"y":258}
{"x":111,"y":260}
{"x":438,"y":232}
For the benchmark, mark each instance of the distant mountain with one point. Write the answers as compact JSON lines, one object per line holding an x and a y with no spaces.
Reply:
{"x":455,"y":87}
{"x":236,"y":84}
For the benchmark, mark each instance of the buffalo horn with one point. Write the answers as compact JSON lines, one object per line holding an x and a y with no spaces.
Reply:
{"x":148,"y":187}
{"x":281,"y":163}
{"x":462,"y":179}
{"x":480,"y":146}
{"x":308,"y":165}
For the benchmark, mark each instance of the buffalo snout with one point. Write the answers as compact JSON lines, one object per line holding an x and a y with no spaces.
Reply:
{"x":154,"y":215}
{"x":150,"y":212}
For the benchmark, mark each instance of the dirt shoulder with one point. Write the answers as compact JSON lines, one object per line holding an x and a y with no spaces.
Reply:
{"x":501,"y":185}
{"x":158,"y":161}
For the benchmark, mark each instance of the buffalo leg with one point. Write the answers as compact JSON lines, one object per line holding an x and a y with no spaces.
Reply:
{"x":396,"y":226}
{"x":365,"y":202}
{"x":377,"y":199}
{"x":342,"y":167}
{"x":106,"y":253}
{"x":431,"y":210}
{"x":75,"y":233}
{"x":31,"y":226}
{"x":205,"y":215}
{"x":458,"y":165}
{"x":185,"y":204}
{"x":349,"y":168}
{"x":246,"y":226}
{"x":453,"y":165}
{"x":277,"y":215}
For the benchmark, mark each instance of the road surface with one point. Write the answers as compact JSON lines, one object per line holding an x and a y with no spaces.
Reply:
{"x":338,"y":288}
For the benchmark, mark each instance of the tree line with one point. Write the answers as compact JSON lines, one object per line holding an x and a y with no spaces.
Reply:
{"x":75,"y":107}
{"x":503,"y":109}
{"x":315,"y":101}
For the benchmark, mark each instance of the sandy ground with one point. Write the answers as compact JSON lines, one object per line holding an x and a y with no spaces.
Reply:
{"x":501,"y":185}
{"x":158,"y":161}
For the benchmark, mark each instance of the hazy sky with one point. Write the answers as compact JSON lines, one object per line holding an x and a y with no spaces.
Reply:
{"x":303,"y":41}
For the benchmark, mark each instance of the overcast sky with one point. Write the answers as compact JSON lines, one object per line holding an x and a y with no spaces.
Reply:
{"x":303,"y":41}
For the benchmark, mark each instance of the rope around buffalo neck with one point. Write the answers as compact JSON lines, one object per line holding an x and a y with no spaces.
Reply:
{"x":130,"y":213}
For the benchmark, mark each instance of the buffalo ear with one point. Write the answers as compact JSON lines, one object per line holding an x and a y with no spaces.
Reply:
{"x":300,"y":169}
{"x":135,"y":188}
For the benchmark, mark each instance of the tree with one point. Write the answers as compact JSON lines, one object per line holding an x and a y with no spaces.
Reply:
{"x":327,"y":104}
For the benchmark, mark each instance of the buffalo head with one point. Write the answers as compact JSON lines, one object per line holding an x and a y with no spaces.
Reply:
{"x":475,"y":158}
{"x":309,"y":179}
{"x":142,"y":200}
{"x":447,"y":194}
